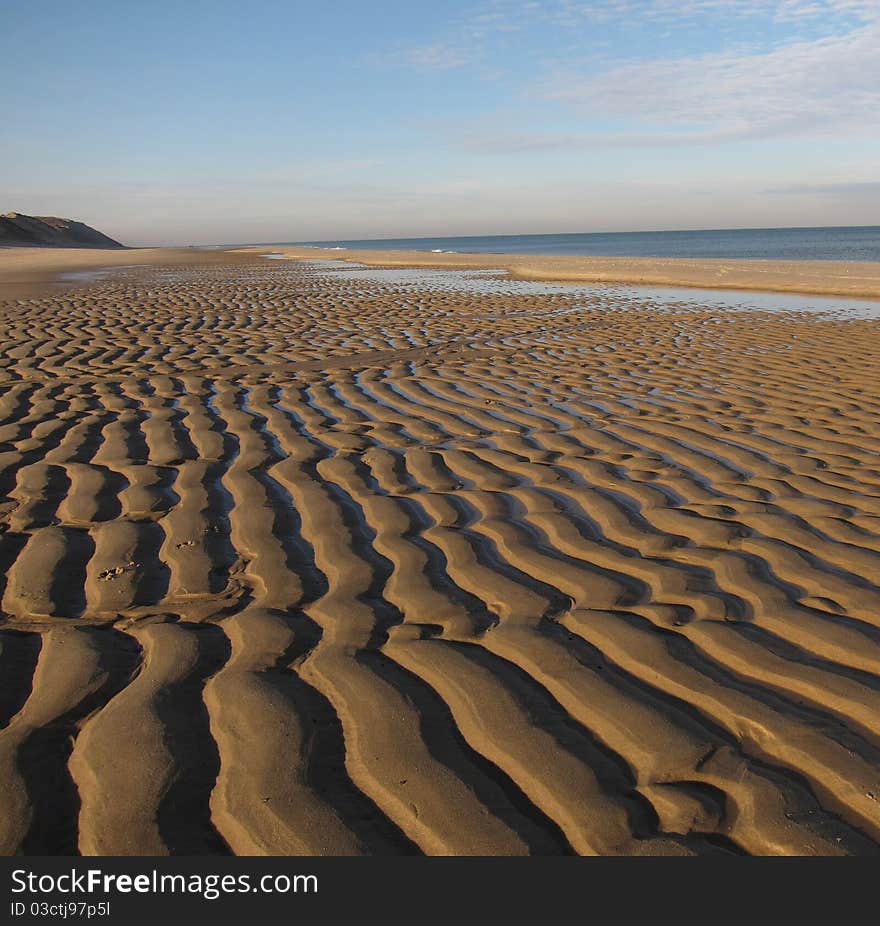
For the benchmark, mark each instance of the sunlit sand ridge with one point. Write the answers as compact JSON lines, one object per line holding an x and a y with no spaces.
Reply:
{"x":296,"y":562}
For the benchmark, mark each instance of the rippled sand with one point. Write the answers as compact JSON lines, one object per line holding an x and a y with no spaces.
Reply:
{"x":298,"y":562}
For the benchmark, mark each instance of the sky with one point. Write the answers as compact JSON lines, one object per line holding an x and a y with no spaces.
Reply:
{"x":224,"y":122}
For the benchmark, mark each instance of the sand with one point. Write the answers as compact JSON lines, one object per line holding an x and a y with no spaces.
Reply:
{"x":28,"y":272}
{"x":300,"y":563}
{"x":822,"y":277}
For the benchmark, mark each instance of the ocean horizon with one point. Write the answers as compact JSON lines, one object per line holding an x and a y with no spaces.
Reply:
{"x":843,"y":243}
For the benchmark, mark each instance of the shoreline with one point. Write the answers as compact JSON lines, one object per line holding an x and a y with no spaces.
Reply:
{"x":32,"y":272}
{"x":855,"y":279}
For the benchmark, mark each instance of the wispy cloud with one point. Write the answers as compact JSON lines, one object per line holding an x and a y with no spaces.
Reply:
{"x":470,"y":37}
{"x":806,"y":87}
{"x":815,"y":73}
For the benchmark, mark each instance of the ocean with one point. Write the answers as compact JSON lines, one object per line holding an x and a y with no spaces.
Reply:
{"x":860,"y":243}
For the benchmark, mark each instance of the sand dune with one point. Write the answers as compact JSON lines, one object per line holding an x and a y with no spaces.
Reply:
{"x":49,"y":231}
{"x":301,"y":563}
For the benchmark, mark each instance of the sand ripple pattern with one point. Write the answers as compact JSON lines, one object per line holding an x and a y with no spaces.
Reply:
{"x":298,"y":563}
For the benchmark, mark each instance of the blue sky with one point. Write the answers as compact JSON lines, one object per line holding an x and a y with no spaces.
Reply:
{"x":214,"y":122}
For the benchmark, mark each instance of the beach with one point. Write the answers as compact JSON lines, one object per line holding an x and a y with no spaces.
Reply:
{"x":296,"y":562}
{"x":834,"y":278}
{"x":27,"y":272}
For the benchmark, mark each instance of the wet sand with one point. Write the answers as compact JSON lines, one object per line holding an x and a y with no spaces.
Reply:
{"x":834,"y":278}
{"x":299,"y":563}
{"x":29,"y":272}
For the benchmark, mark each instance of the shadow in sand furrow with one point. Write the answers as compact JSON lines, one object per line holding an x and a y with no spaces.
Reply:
{"x":610,"y":769}
{"x":644,"y":572}
{"x":287,"y":529}
{"x":773,"y":550}
{"x":791,"y":652}
{"x":19,"y":653}
{"x":311,"y":748}
{"x":706,"y":434}
{"x":197,"y":550}
{"x":362,"y":536}
{"x":94,"y":493}
{"x":48,"y":442}
{"x":299,"y":429}
{"x":307,"y":397}
{"x":379,"y":399}
{"x":610,"y":487}
{"x":176,"y":391}
{"x":92,"y":437}
{"x":410,"y":586}
{"x":428,"y":471}
{"x":15,"y":406}
{"x":218,"y":545}
{"x":90,"y":356}
{"x":325,"y":772}
{"x":151,"y":491}
{"x":487,"y":553}
{"x":491,"y":594}
{"x":124,"y":440}
{"x":834,"y":525}
{"x":477,"y":470}
{"x":682,"y":462}
{"x":808,"y":682}
{"x":134,"y":440}
{"x":442,"y":395}
{"x":328,"y":393}
{"x":47,"y":577}
{"x":352,"y":517}
{"x":145,"y":764}
{"x":444,"y":741}
{"x":111,"y":358}
{"x":760,"y":572}
{"x":451,"y":419}
{"x":813,"y":715}
{"x":419,"y":521}
{"x":840,"y":493}
{"x":287,"y":523}
{"x":341,"y":392}
{"x":183,"y":816}
{"x":219,"y":425}
{"x":403,"y":481}
{"x":126,"y":570}
{"x":220,"y":499}
{"x":535,"y":551}
{"x":698,"y":446}
{"x":490,"y":402}
{"x":157,"y":575}
{"x":626,"y":543}
{"x":167,"y":435}
{"x":275,"y":399}
{"x":799,"y":787}
{"x":40,"y":490}
{"x":42,"y":756}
